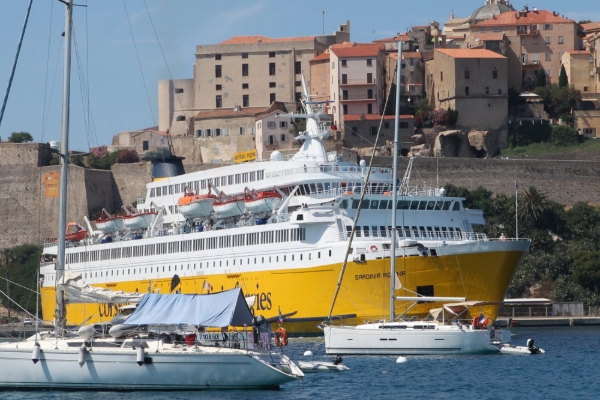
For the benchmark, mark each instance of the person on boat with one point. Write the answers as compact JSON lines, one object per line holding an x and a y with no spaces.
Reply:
{"x":502,"y":237}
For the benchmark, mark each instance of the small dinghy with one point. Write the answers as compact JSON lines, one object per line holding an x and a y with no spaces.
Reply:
{"x":323,"y":366}
{"x":529,"y":349}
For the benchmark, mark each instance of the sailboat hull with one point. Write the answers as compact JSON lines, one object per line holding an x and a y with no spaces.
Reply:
{"x":478,"y":270}
{"x":118,"y":370}
{"x":346,"y":340}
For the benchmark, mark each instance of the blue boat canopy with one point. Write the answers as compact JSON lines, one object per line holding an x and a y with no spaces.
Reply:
{"x":222,"y":309}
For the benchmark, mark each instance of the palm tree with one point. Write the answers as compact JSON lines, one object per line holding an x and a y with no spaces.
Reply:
{"x":533,"y":204}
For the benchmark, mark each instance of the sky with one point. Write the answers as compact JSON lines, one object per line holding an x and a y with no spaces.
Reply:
{"x":120,"y":84}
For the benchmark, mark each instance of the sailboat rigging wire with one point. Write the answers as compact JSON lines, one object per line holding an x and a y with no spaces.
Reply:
{"x":14,"y":67}
{"x":362,"y":195}
{"x":163,"y":54}
{"x":140,"y":64}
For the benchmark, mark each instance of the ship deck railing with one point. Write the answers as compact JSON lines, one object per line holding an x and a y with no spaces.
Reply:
{"x":340,"y":170}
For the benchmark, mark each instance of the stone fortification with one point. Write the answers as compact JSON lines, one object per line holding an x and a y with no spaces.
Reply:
{"x":566,"y":182}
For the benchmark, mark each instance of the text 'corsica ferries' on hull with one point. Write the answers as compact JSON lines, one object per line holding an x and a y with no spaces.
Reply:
{"x":286,"y":241}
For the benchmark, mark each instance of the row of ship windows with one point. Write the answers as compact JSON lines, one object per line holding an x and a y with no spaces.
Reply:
{"x":220,"y":242}
{"x":215,"y":264}
{"x":427,"y":205}
{"x":426,"y":232}
{"x":203,"y":184}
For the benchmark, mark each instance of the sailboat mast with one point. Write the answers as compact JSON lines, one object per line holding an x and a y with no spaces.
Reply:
{"x":395,"y":188}
{"x":64,"y":151}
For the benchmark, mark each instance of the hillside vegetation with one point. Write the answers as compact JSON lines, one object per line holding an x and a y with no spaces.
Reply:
{"x":564,"y":259}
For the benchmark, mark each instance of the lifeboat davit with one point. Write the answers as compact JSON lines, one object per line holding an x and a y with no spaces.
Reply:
{"x":228,"y":206}
{"x":193,"y":205}
{"x":75,"y":232}
{"x":108,"y":223}
{"x":138,"y":220}
{"x":258,"y":202}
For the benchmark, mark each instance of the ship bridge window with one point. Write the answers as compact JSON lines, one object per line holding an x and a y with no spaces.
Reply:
{"x":430,"y":205}
{"x":403,"y":205}
{"x":260,"y":175}
{"x":158,"y":192}
{"x":422,"y":205}
{"x":245,"y":177}
{"x":355,"y":204}
{"x":446,"y":205}
{"x":357,"y":232}
{"x":344,"y":204}
{"x":152,"y":192}
{"x":374,"y":231}
{"x":414,"y":205}
{"x":238,"y":178}
{"x":252,"y":176}
{"x":383,"y":204}
{"x":374,"y":204}
{"x":456,"y":206}
{"x":366,"y":230}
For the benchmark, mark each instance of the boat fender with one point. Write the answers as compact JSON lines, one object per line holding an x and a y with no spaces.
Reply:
{"x":373,"y":248}
{"x":81,"y":357}
{"x":140,"y":356}
{"x":281,"y":337}
{"x":35,"y":354}
{"x":190,"y":339}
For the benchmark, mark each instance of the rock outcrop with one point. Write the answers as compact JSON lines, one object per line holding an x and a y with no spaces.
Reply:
{"x":452,"y":144}
{"x":421,"y":150}
{"x":483,"y":144}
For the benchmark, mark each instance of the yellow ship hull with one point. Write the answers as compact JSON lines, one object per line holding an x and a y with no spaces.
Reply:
{"x":364,"y":294}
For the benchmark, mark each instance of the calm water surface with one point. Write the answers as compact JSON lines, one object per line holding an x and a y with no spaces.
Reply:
{"x":569,"y":369}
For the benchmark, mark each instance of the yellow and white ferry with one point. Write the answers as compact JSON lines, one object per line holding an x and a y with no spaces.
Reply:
{"x":288,"y":250}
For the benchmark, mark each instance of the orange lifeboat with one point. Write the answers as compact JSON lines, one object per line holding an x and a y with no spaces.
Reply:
{"x":194,"y":205}
{"x":258,"y":202}
{"x":75,"y":232}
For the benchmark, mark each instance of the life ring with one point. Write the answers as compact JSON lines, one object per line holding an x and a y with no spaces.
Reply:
{"x":374,"y":248}
{"x":281,"y":337}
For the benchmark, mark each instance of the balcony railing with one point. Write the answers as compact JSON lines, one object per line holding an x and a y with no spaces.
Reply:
{"x":358,"y":82}
{"x":357,"y":97}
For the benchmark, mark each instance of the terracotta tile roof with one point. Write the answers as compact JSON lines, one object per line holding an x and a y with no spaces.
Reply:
{"x":592,"y":26}
{"x":264,"y":39}
{"x":411,"y":54}
{"x":356,"y":51}
{"x":393,"y":55}
{"x":373,"y":117}
{"x":229,"y":113}
{"x":469,"y":53}
{"x":320,"y":57}
{"x":355,"y":44}
{"x":489,"y":36}
{"x":530,"y":17}
{"x":427,"y":55}
{"x":578,"y":52}
{"x":400,"y":37}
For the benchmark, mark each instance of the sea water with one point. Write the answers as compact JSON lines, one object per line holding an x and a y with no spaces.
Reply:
{"x":569,"y":369}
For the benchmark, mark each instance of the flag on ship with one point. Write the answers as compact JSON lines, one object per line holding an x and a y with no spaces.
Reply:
{"x":482,"y":319}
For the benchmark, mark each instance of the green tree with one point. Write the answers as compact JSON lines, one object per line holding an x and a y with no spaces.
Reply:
{"x":584,"y":21}
{"x":20,"y":137}
{"x":540,"y":78}
{"x":586,"y":270}
{"x":563,"y":80}
{"x":582,"y":221}
{"x":533,"y":204}
{"x":23,"y":263}
{"x":298,"y":126}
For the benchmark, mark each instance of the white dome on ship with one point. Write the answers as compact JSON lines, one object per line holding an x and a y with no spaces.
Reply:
{"x":276,"y":156}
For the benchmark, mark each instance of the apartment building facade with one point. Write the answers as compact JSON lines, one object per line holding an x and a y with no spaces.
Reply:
{"x":319,"y":74}
{"x":537,"y":39}
{"x":356,"y":81}
{"x":473,"y":82}
{"x":243,"y":71}
{"x":581,"y":70}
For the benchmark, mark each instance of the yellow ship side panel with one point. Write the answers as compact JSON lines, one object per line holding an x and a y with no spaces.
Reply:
{"x":484,"y":276}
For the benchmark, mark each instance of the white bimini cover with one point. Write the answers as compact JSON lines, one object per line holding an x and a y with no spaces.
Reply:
{"x":77,"y":291}
{"x":218,"y":310}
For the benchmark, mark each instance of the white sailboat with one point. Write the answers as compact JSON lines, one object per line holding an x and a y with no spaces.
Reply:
{"x":149,"y":359}
{"x":408,"y":337}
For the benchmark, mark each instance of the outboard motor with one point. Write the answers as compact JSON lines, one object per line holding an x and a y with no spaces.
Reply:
{"x":337,"y":360}
{"x":531,"y":347}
